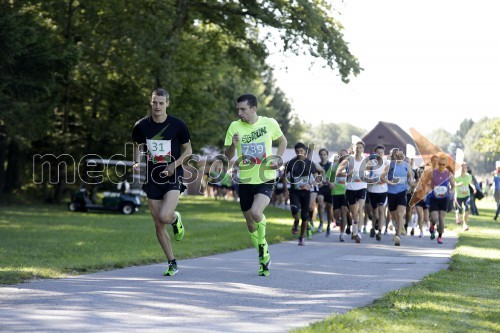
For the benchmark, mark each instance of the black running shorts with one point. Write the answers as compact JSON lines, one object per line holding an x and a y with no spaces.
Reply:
{"x":248,"y":191}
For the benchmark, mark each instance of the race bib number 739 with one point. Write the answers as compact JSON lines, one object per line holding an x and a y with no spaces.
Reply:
{"x":253,"y":153}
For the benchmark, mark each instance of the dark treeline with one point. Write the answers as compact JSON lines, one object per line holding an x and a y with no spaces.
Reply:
{"x":76,"y":75}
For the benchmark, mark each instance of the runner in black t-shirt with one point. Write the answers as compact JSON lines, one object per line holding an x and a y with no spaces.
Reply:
{"x":324,"y":197}
{"x":166,"y":142}
{"x":300,"y":168}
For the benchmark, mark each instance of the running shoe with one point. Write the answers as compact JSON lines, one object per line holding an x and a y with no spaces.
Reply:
{"x":378,"y":236}
{"x":358,"y":238}
{"x":466,"y":227}
{"x":264,"y":268}
{"x":301,"y":241}
{"x":295,"y":231}
{"x":320,"y":227}
{"x":327,"y":233}
{"x":171,"y":270}
{"x":421,"y":234}
{"x":412,"y":232}
{"x":372,"y":232}
{"x":364,"y":229}
{"x":178,"y":227}
{"x":440,"y":240}
{"x":348,"y":230}
{"x":397,"y":240}
{"x":309,"y":233}
{"x":341,"y":238}
{"x":431,"y":230}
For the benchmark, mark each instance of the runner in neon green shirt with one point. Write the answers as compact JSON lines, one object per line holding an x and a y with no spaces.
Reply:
{"x":337,"y":186}
{"x":462,"y":195}
{"x":251,"y":138}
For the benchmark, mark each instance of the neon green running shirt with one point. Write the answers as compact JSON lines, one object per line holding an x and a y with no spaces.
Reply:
{"x":254,"y":148}
{"x":339,"y":188}
{"x":463,"y":190}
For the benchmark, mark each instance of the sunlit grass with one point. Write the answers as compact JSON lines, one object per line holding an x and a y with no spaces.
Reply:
{"x":48,"y":241}
{"x":464,"y":298}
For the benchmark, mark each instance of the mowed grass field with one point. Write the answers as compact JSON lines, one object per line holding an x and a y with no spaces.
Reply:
{"x":464,"y":298}
{"x":48,"y":242}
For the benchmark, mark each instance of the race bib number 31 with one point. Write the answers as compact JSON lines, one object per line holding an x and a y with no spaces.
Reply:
{"x":160,"y":151}
{"x":253,"y":153}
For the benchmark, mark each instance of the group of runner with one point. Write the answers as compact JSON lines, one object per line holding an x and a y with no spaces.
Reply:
{"x":358,"y":187}
{"x":339,"y":188}
{"x":165,"y":142}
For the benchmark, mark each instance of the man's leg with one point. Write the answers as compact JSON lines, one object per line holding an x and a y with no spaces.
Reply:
{"x":312,"y":208}
{"x":329,"y":216}
{"x":361,"y":211}
{"x":381,"y":220}
{"x":434,"y":217}
{"x":420,"y":216}
{"x":256,"y":224}
{"x":161,"y":233}
{"x":163,"y":213}
{"x":305,"y":201}
{"x":353,"y":210}
{"x":294,"y":208}
{"x":321,"y":211}
{"x":442,"y":215}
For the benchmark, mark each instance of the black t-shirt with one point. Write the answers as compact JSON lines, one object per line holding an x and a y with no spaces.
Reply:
{"x":299,"y":171}
{"x":163,"y":142}
{"x":325,"y":166}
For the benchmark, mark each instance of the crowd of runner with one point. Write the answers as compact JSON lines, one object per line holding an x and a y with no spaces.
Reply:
{"x":361,"y":194}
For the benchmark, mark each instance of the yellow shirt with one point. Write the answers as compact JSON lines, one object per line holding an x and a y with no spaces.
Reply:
{"x":254,"y":150}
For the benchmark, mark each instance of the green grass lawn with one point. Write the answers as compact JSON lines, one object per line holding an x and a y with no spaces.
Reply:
{"x":49,"y":241}
{"x":464,"y":298}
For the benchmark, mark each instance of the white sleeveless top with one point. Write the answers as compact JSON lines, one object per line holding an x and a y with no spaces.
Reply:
{"x":379,"y":186}
{"x":356,"y":183}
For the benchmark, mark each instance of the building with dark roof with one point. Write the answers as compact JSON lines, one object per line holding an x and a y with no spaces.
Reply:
{"x":387,"y":134}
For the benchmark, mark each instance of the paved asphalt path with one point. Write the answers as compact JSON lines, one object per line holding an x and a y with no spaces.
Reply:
{"x":223,"y":293}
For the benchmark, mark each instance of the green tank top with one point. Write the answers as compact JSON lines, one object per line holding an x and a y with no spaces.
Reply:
{"x":340,"y":182}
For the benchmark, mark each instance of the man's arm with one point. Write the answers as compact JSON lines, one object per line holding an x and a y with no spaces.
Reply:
{"x":278,"y":160}
{"x":410,"y":178}
{"x":285,"y":182}
{"x":137,"y":156}
{"x":231,"y":150}
{"x":186,"y":150}
{"x":340,"y":170}
{"x":320,"y":171}
{"x":452,"y":183}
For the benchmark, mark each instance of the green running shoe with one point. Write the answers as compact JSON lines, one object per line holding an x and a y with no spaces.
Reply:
{"x":171,"y":270}
{"x":264,"y":269}
{"x":309,"y":233}
{"x":178,"y":227}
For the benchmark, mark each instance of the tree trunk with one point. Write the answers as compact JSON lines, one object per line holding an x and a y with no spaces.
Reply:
{"x":12,"y":174}
{"x":3,"y":150}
